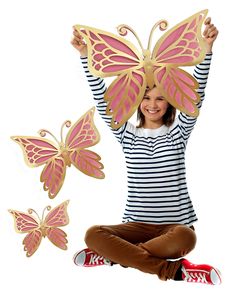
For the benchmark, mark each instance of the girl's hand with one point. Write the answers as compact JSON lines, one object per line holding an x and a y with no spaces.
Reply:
{"x":210,"y":34}
{"x":79,"y":43}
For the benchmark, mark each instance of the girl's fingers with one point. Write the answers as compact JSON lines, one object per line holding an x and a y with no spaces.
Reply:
{"x":209,"y":29}
{"x":207,"y":21}
{"x":214,"y":33}
{"x":77,"y":34}
{"x":77,"y":41}
{"x":212,"y":28}
{"x":211,"y":32}
{"x":78,"y":38}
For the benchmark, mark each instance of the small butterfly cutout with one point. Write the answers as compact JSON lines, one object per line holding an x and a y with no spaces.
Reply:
{"x":57,"y":156}
{"x":112,"y":55}
{"x":37,"y":228}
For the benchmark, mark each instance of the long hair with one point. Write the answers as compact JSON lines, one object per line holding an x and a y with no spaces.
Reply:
{"x":168,"y":117}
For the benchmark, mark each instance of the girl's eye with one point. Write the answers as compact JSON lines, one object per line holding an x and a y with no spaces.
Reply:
{"x":146,"y":97}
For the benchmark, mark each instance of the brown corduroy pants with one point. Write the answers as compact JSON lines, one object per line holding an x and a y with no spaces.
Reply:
{"x":146,"y":247}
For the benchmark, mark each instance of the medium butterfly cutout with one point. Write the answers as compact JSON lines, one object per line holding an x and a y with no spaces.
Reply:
{"x":37,"y":228}
{"x":112,"y":55}
{"x":57,"y":156}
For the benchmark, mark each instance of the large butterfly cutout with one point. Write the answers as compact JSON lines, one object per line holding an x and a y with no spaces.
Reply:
{"x":112,"y":55}
{"x":56,"y":157}
{"x":37,"y":228}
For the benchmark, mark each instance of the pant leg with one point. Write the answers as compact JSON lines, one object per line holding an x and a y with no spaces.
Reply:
{"x":171,"y":242}
{"x":119,"y":244}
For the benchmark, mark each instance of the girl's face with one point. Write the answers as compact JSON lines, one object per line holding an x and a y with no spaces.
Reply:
{"x":153,"y":107}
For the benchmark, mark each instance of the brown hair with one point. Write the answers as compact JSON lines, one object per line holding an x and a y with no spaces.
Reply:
{"x":167,"y":119}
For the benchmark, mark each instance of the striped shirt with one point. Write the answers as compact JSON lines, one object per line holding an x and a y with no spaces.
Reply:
{"x":155,"y":160}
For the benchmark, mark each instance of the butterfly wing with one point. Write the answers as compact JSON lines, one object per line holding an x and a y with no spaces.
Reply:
{"x":32,"y":241}
{"x":179,"y":88}
{"x":53,"y":176}
{"x":183,"y":45}
{"x":57,"y":217}
{"x":36,"y":150}
{"x":25,"y":223}
{"x":84,"y":134}
{"x":124,"y":96}
{"x":88,"y":162}
{"x":111,"y":55}
{"x":57,"y":237}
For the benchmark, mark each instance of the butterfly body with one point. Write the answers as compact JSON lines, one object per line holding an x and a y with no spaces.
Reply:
{"x":43,"y":230}
{"x":148,"y":65}
{"x":65,"y":154}
{"x":110,"y":55}
{"x":56,"y":157}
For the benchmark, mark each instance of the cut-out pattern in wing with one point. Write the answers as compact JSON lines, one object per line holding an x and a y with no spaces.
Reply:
{"x":124,"y":96}
{"x":53,"y":176}
{"x":88,"y":162}
{"x":180,"y":88}
{"x":31,"y":242}
{"x":37,"y":151}
{"x":109,"y":54}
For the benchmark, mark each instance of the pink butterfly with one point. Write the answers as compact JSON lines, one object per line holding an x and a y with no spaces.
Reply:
{"x":56,"y":157}
{"x":111,"y":55}
{"x":38,"y":228}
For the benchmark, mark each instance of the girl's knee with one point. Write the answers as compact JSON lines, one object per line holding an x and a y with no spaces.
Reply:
{"x":91,"y":235}
{"x":187,"y":236}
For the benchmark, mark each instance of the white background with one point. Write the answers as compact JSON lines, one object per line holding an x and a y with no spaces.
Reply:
{"x":42,"y":85}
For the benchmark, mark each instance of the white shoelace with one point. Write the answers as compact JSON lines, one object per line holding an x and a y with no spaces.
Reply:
{"x":198,"y":276}
{"x":94,"y":260}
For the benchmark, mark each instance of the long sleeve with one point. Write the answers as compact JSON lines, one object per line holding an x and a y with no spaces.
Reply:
{"x":201,"y":72}
{"x":98,"y":89}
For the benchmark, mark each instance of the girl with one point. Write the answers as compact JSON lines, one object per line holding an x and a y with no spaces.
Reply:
{"x":158,"y":219}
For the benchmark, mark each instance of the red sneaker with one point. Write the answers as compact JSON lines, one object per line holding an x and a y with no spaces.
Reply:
{"x":88,"y":258}
{"x":200,"y":273}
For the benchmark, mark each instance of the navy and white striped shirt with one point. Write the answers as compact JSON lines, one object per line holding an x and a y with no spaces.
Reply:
{"x":155,"y":160}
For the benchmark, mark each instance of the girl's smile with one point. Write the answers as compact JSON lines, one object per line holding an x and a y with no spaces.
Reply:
{"x":153,"y":107}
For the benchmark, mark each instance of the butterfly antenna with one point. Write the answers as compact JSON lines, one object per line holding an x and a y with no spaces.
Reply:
{"x":48,"y":208}
{"x":162,"y":26}
{"x":123,"y":30}
{"x":43,"y":132}
{"x":67,"y":123}
{"x":30,"y":211}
